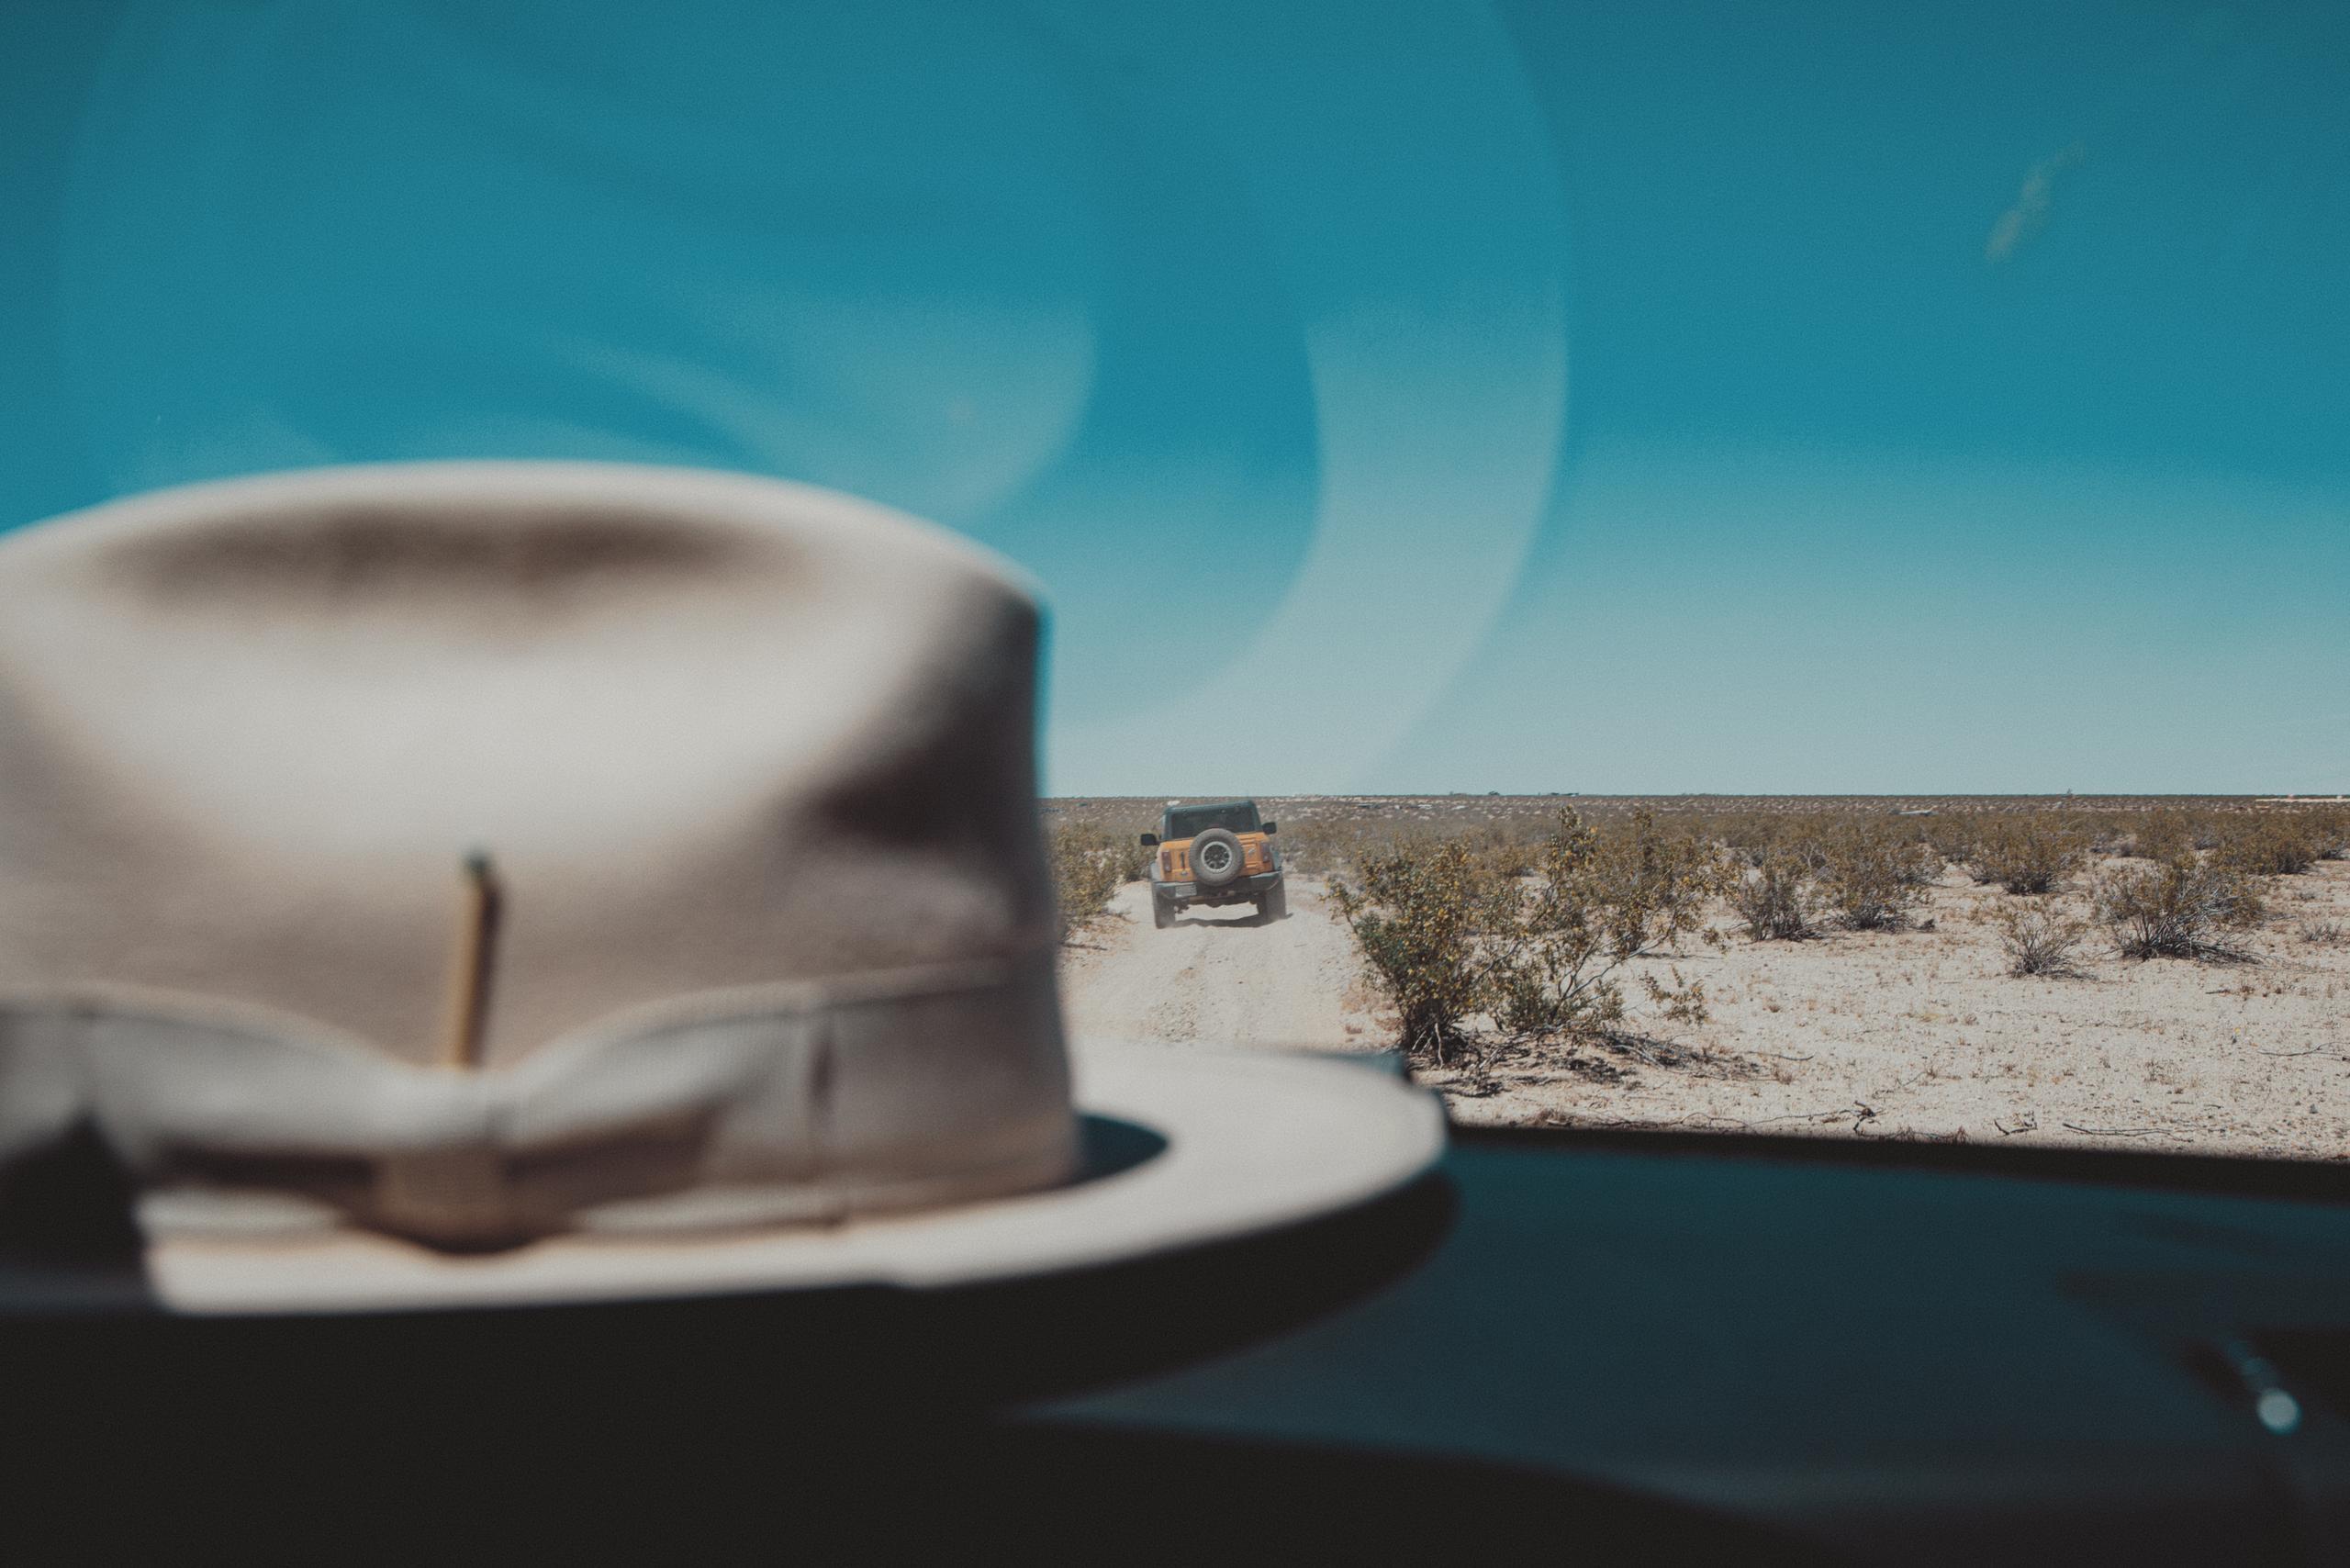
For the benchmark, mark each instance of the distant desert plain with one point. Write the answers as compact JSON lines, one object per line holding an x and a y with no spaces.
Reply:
{"x":1920,"y":1029}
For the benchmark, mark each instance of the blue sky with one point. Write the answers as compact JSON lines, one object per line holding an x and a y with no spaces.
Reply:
{"x":1639,"y":397}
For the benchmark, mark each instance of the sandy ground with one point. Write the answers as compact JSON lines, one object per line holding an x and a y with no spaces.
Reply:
{"x":1914,"y":1033}
{"x":1219,"y":978}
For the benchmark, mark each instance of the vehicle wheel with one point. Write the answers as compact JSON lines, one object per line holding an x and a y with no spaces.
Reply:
{"x":1162,"y":913}
{"x":1216,"y":858}
{"x":1275,"y":903}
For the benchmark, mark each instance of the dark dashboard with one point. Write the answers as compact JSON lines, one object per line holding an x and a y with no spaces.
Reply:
{"x":1726,"y":1348}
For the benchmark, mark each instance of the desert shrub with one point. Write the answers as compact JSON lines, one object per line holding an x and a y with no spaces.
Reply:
{"x":2331,"y":827}
{"x":2039,"y":940}
{"x":1747,"y":835}
{"x":1777,"y":900}
{"x":1131,"y":859}
{"x":1595,"y":902}
{"x":1505,"y":853}
{"x":2164,"y":835}
{"x":2280,"y":843}
{"x":2108,"y":832}
{"x":1088,"y":865}
{"x":1329,"y":846}
{"x":1420,"y":912}
{"x":1449,"y":933}
{"x":2182,"y":908}
{"x":2033,"y":853}
{"x":1873,"y":874}
{"x":2323,"y":933}
{"x":1953,"y":837}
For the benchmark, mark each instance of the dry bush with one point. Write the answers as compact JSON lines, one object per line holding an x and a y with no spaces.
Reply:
{"x":2331,"y":826}
{"x":2034,"y":853}
{"x":1776,"y":900}
{"x":2109,"y":833}
{"x":1420,"y":913}
{"x":2323,"y":933}
{"x":1872,"y":874}
{"x":1318,"y":845}
{"x":1089,"y":866}
{"x":2164,"y":835}
{"x":1449,"y":933}
{"x":1595,"y":902}
{"x":2280,"y":843}
{"x":1953,"y":837}
{"x":1506,"y":853}
{"x":2041,"y":941}
{"x":1749,"y":836}
{"x":2184,"y":908}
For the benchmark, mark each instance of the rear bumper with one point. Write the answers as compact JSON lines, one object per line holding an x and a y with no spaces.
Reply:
{"x":1239,"y":890}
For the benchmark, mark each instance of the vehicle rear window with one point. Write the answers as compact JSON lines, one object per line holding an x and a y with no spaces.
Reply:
{"x":1187,"y":822}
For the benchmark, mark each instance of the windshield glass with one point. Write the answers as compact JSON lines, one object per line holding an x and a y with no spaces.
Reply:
{"x":1188,"y":822}
{"x":1850,"y":502}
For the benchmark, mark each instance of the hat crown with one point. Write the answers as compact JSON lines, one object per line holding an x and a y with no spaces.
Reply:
{"x":369,"y":659}
{"x":718,"y":735}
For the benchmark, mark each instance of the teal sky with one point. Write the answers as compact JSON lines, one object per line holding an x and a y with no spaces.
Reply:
{"x":1645,"y":397}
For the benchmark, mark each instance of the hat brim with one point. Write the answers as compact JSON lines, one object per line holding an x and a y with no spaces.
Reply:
{"x":1251,"y":1143}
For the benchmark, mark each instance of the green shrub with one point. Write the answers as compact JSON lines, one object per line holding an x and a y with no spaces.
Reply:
{"x":2032,"y":853}
{"x":2182,"y":908}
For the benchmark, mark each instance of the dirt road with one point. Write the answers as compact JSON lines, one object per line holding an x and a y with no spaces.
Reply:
{"x":1219,"y":978}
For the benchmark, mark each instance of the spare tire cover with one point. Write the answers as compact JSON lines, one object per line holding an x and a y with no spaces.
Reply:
{"x":1215,"y":857}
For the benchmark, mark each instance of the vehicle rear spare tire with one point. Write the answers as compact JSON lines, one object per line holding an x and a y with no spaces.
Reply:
{"x":1216,"y":858}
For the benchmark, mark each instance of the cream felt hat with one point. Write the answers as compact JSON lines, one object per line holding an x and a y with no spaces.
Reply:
{"x":469,"y":883}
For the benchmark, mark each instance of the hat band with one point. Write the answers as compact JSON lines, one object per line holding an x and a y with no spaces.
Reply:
{"x":799,"y":1103}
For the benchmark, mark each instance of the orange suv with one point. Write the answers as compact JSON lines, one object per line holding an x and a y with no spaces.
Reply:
{"x":1218,"y":852}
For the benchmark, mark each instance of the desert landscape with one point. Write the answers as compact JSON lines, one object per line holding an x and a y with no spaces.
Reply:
{"x":1884,"y":1013}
